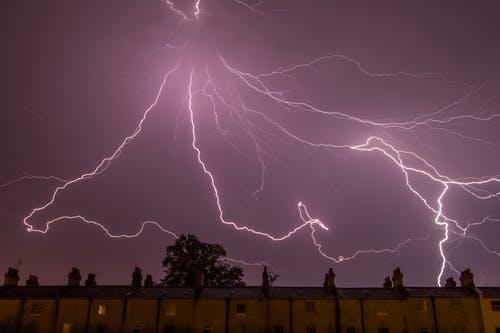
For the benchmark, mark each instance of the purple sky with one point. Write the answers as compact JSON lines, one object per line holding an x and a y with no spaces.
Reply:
{"x":77,"y":76}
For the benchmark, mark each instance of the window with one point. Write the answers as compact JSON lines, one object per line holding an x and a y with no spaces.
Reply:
{"x":36,"y":309}
{"x":455,"y":306}
{"x":241,"y":309}
{"x":310,"y":329}
{"x":350,"y":330}
{"x":207,"y":329}
{"x":495,"y":305}
{"x":67,"y":328}
{"x":278,"y":329}
{"x":421,"y":305}
{"x":383,"y":330}
{"x":425,"y":330}
{"x":170,"y":329}
{"x":102,"y":329}
{"x":102,"y":309}
{"x":171,"y":310}
{"x":310,"y":307}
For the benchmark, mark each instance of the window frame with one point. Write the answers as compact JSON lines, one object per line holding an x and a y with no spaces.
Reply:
{"x":241,"y":309}
{"x":310,"y":307}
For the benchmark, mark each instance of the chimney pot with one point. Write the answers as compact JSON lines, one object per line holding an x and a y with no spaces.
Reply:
{"x":467,"y":279}
{"x":450,"y":283}
{"x":32,"y":281}
{"x":397,"y":278}
{"x":91,"y":280}
{"x":74,"y":277}
{"x":137,"y":278}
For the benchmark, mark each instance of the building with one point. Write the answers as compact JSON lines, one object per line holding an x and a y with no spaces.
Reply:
{"x":262,"y":309}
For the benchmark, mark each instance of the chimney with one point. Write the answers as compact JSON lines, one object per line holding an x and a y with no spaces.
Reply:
{"x":397,"y":279}
{"x":74,"y":277}
{"x":11,"y":278}
{"x":32,"y":281}
{"x":148,"y":283}
{"x":91,"y":281}
{"x":467,"y":279}
{"x":329,"y":283}
{"x":450,"y":283}
{"x":137,"y":278}
{"x":387,"y":283}
{"x":265,"y":282}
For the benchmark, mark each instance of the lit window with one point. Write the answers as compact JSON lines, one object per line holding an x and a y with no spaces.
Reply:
{"x":36,"y":309}
{"x":241,"y":309}
{"x":102,"y":309}
{"x":170,"y":329}
{"x":310,"y":329}
{"x":171,"y":310}
{"x":421,"y":305}
{"x":383,"y":330}
{"x":382,"y":310}
{"x":425,"y":330}
{"x":495,"y":305}
{"x":207,"y":329}
{"x":310,"y":307}
{"x":350,"y":330}
{"x":455,"y":306}
{"x":278,"y":329}
{"x":67,"y":328}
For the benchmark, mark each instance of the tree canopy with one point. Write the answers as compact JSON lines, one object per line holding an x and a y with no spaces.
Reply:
{"x":190,"y":257}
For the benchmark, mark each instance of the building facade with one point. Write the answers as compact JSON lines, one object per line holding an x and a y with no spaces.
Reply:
{"x":261,"y":309}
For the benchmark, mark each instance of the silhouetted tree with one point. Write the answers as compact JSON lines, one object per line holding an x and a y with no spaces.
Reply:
{"x":189,"y":258}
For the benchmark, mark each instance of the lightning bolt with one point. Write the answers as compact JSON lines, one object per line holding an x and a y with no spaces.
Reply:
{"x":407,"y":162}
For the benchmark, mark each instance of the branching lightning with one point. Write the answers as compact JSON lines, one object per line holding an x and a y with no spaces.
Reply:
{"x":408,"y":163}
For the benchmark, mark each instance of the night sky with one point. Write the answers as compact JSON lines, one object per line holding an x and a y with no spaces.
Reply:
{"x":420,"y":76}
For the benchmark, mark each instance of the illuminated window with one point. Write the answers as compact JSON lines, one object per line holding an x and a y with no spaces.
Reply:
{"x":207,"y":329}
{"x":310,"y":307}
{"x":36,"y":309}
{"x":67,"y":328}
{"x":383,"y":330}
{"x":102,"y":309}
{"x":310,"y":329}
{"x":495,"y":305}
{"x":171,"y":310}
{"x":350,"y":330}
{"x":382,"y":310}
{"x":241,"y":309}
{"x":422,"y":305}
{"x":278,"y":329}
{"x":455,"y":306}
{"x":170,"y":329}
